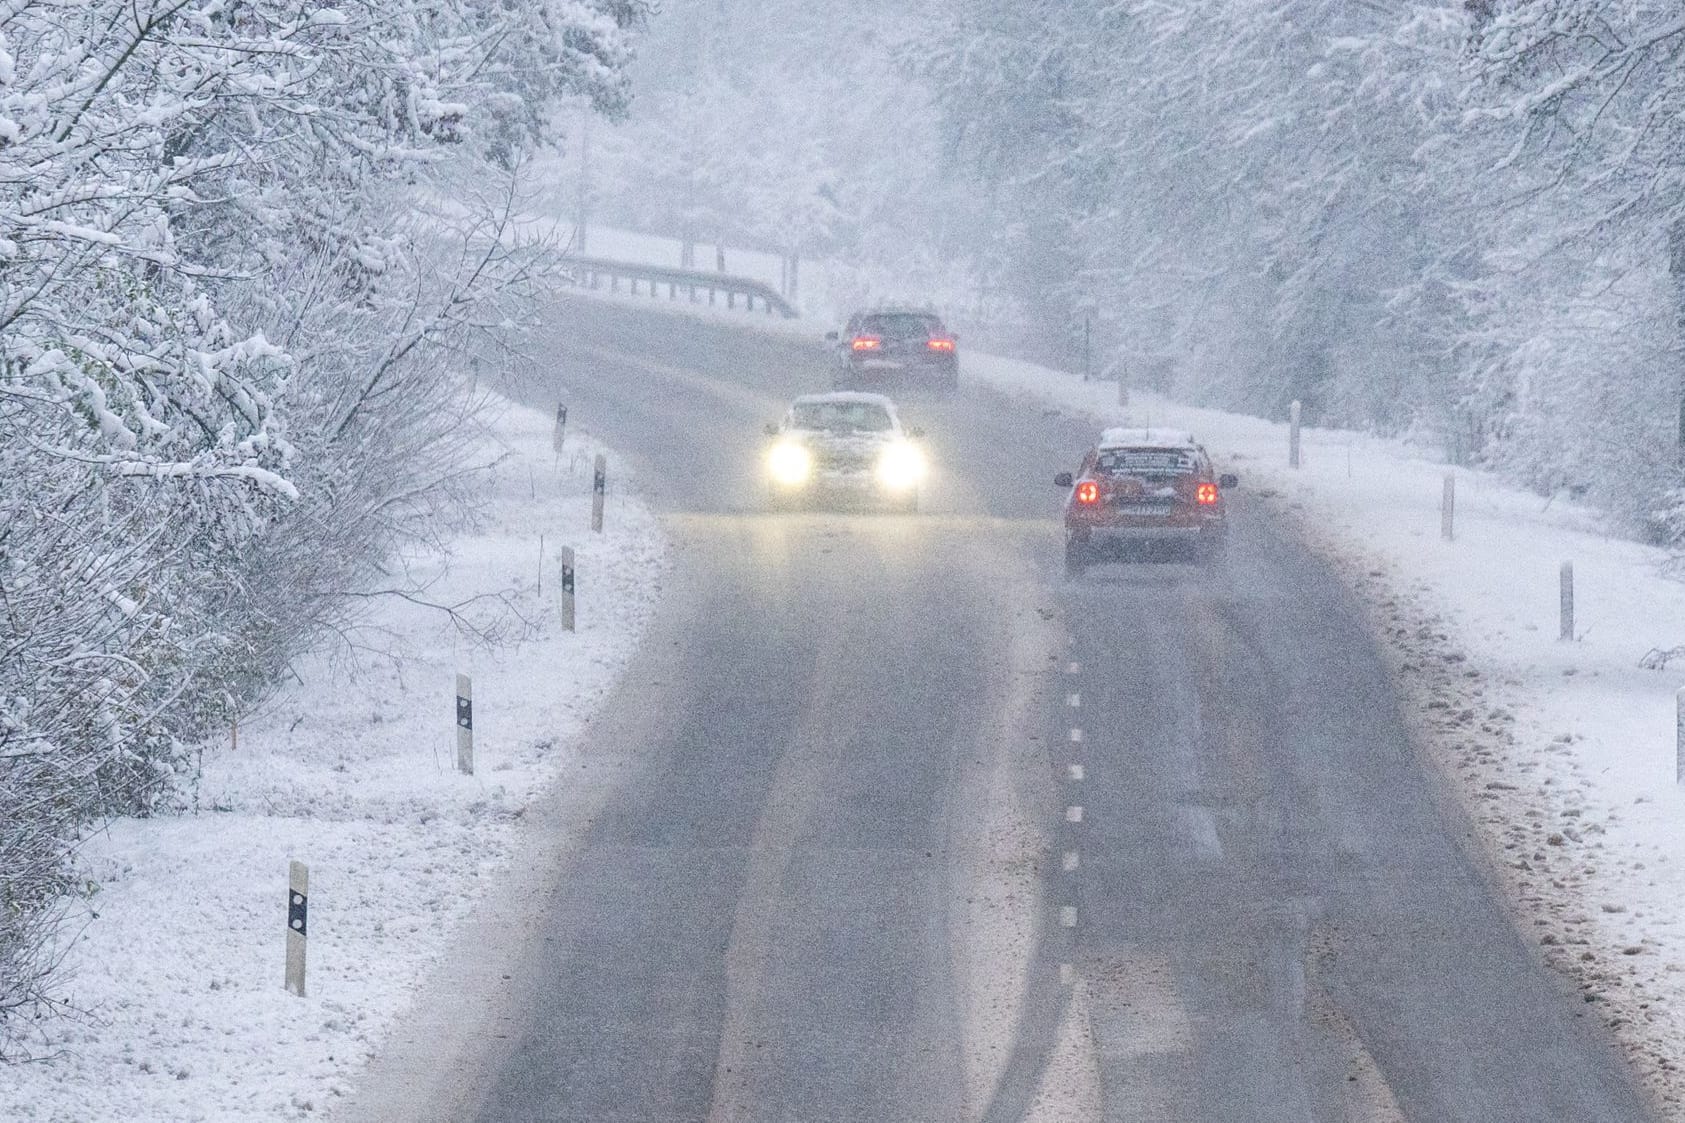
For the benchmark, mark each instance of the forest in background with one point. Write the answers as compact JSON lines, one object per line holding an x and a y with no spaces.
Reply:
{"x":1457,"y":221}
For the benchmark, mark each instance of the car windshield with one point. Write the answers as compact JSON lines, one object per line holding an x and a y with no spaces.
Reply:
{"x":900,"y":325}
{"x":867,"y":417}
{"x":1145,"y":462}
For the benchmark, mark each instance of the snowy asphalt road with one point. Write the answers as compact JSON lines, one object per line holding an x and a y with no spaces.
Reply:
{"x":845,"y":861}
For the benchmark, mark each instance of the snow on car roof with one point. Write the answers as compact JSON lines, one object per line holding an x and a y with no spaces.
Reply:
{"x":847,"y":396}
{"x":1147,"y":438}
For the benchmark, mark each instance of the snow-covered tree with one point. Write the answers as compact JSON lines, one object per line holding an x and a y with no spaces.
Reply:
{"x":226,"y":342}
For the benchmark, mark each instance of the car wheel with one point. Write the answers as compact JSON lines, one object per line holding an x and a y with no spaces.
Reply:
{"x":1076,"y":558}
{"x":1209,"y":550}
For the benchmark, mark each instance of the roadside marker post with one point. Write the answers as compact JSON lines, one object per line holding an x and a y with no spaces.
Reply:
{"x":567,"y":588}
{"x":599,"y":487}
{"x":1679,"y":736}
{"x":464,"y":724}
{"x":1448,"y":507}
{"x":560,"y":435}
{"x":1293,"y":412}
{"x":1567,"y":602}
{"x":298,"y":917}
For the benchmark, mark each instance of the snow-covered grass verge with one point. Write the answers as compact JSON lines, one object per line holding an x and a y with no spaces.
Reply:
{"x":351,"y":770}
{"x":1562,"y":752}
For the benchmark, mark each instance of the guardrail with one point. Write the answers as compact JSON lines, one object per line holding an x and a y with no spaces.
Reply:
{"x":593,"y":272}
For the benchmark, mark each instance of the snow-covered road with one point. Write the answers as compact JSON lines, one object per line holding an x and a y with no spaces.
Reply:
{"x":1561,"y":753}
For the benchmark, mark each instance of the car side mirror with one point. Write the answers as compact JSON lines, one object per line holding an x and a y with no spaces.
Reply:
{"x":771,"y":429}
{"x":831,"y":336}
{"x":1228,"y":479}
{"x":915,"y":432}
{"x":1063,"y":479}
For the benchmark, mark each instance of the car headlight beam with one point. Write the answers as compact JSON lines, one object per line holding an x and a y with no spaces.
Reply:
{"x":901,"y":466}
{"x":789,"y":463}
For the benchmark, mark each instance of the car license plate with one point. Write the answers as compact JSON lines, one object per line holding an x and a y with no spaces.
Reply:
{"x":1153,"y":510}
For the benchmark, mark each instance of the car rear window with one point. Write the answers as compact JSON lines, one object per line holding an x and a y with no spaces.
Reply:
{"x":1146,"y":462}
{"x":866,"y":417}
{"x":901,"y":325}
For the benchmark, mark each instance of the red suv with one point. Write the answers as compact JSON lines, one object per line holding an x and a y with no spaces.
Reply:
{"x":1140,"y":491}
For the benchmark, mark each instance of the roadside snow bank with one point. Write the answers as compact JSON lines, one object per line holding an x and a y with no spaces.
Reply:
{"x":1562,"y":752}
{"x":350,"y":770}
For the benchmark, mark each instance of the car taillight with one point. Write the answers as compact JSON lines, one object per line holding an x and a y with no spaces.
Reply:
{"x":940,"y":345}
{"x":867,"y":343}
{"x":1206,"y":495}
{"x":1088,"y":493}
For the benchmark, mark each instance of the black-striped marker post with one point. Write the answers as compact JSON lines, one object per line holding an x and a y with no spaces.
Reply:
{"x":567,"y":588}
{"x":464,"y":725}
{"x":298,"y":924}
{"x":599,"y":488}
{"x":561,"y":432}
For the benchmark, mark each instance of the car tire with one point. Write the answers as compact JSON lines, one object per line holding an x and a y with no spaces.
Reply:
{"x":1076,"y":558}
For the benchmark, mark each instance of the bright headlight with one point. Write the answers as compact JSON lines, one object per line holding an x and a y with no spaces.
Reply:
{"x":789,"y":463}
{"x":901,"y":466}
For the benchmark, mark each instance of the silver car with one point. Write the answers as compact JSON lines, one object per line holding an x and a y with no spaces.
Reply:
{"x":844,"y":449}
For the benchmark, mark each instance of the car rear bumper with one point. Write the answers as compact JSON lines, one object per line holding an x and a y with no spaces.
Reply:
{"x":891,"y":369}
{"x":1109,"y":538}
{"x":1144,"y":533}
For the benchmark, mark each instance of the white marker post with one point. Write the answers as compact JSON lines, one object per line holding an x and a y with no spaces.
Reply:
{"x":1448,"y":507}
{"x":298,"y":918}
{"x":557,"y":438}
{"x":599,"y":487}
{"x":464,"y":725}
{"x":1679,"y":736}
{"x":567,"y":588}
{"x":1293,"y":412}
{"x":1567,"y":602}
{"x":1122,"y":390}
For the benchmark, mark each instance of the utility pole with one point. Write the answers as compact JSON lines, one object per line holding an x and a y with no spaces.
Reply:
{"x":582,"y":205}
{"x":1676,"y":266}
{"x":1087,"y":346}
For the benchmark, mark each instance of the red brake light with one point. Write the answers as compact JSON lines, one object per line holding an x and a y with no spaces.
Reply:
{"x":1088,"y":492}
{"x":867,"y":343}
{"x":1205,"y":495}
{"x":941,"y":345}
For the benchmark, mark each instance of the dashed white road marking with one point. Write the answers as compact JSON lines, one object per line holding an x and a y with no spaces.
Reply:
{"x":1067,"y":974}
{"x":1073,"y":814}
{"x":1076,"y":736}
{"x":1074,"y":669}
{"x":1073,"y":700}
{"x":1068,"y":916}
{"x":1072,"y":860}
{"x":1075,"y":772}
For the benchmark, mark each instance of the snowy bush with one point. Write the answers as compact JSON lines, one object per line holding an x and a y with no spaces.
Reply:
{"x":243,"y":273}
